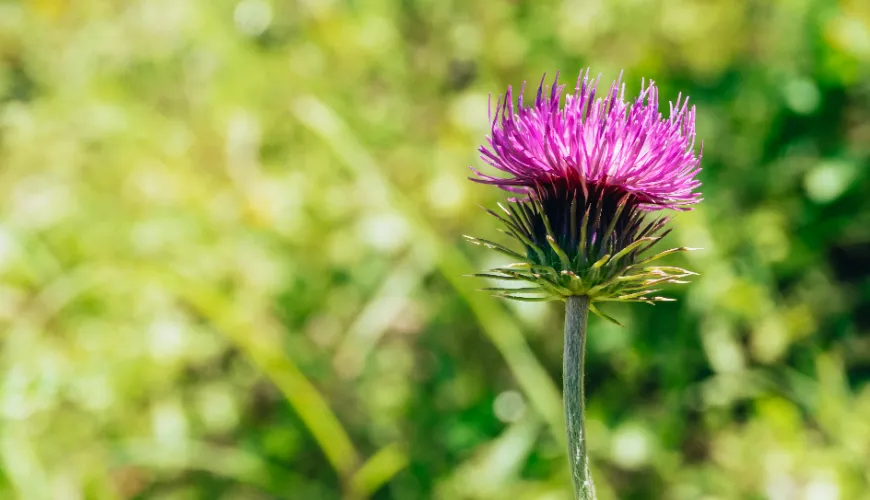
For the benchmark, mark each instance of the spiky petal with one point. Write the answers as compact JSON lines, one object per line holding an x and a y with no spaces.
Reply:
{"x":604,"y":142}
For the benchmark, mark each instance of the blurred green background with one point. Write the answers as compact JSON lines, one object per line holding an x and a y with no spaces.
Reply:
{"x":231,"y":255}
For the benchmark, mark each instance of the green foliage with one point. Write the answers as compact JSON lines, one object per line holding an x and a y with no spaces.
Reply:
{"x":232,"y":266}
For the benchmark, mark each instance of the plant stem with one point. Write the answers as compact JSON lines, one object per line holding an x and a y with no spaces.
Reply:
{"x":576,"y":314}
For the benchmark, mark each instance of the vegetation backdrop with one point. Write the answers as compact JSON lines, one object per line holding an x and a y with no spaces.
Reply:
{"x":231,"y":258}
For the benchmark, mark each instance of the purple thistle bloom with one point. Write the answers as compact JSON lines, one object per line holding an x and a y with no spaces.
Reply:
{"x":590,"y":172}
{"x":604,"y":145}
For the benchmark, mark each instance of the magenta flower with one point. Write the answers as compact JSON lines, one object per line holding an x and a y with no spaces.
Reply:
{"x":605,"y":143}
{"x":591,"y":171}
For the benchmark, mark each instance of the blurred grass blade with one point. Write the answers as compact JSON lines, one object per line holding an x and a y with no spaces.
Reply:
{"x":452,"y":264}
{"x":21,"y":465}
{"x":260,"y":339}
{"x":379,"y":313}
{"x":494,"y":465}
{"x":223,"y":461}
{"x":377,"y":471}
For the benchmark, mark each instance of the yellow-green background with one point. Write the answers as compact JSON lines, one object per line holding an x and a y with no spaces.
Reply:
{"x":231,"y":255}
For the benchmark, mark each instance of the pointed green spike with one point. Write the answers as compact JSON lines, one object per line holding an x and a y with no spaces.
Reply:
{"x":510,"y":234}
{"x":605,"y":238}
{"x":572,"y":275}
{"x":552,"y":285}
{"x":523,"y":299}
{"x":600,"y":314}
{"x":496,"y":247}
{"x":673,"y":269}
{"x":575,"y":283}
{"x":518,"y":265}
{"x":662,"y":254}
{"x":512,"y":219}
{"x":581,"y":246}
{"x":635,"y":277}
{"x":491,"y":276}
{"x":664,"y":279}
{"x":529,"y":289}
{"x":526,"y":267}
{"x":653,"y":227}
{"x":601,"y":262}
{"x":504,"y":221}
{"x":622,"y":253}
{"x":636,"y":294}
{"x":522,"y":217}
{"x":522,"y":212}
{"x":651,"y":243}
{"x":522,"y":238}
{"x":524,"y":275}
{"x":641,"y":300}
{"x":514,"y":216}
{"x":596,"y":220}
{"x":573,"y":219}
{"x":563,"y":257}
{"x":544,"y":218}
{"x":593,"y":292}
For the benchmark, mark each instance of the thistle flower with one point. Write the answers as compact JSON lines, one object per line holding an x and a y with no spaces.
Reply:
{"x":588,"y":173}
{"x":606,"y":143}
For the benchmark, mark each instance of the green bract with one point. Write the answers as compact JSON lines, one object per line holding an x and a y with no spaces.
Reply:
{"x":582,"y":243}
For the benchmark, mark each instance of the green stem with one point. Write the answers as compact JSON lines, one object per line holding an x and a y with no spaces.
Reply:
{"x":576,"y":314}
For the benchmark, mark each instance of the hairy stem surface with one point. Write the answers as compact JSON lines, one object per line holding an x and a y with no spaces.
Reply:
{"x":576,"y":314}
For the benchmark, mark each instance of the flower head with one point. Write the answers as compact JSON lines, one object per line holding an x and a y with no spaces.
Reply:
{"x":604,"y":142}
{"x":591,"y":171}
